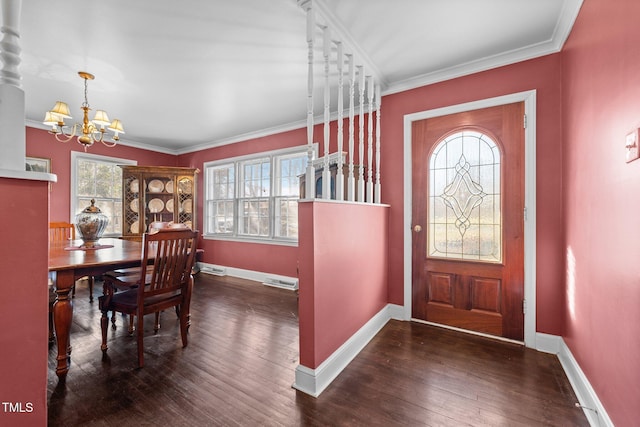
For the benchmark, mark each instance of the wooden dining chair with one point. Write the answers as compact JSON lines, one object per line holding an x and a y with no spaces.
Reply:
{"x":164,"y":281}
{"x":65,"y":231}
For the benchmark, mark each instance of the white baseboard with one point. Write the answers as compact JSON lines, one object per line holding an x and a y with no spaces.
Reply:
{"x":396,"y":312}
{"x":587,"y":397}
{"x":315,"y":381}
{"x":268,"y":279}
{"x":548,"y":343}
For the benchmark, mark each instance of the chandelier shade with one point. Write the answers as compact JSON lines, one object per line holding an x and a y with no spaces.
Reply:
{"x":61,"y":109}
{"x":89,"y":131}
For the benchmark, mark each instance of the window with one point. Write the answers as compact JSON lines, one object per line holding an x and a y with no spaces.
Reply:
{"x":100,"y":178}
{"x":465,"y":198}
{"x":254,"y":197}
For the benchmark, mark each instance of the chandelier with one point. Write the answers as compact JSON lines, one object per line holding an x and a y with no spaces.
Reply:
{"x":91,"y":130}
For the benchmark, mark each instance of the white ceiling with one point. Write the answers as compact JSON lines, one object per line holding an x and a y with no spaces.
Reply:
{"x":186,"y":75}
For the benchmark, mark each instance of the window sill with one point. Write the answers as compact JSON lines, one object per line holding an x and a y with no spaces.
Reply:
{"x":250,"y":240}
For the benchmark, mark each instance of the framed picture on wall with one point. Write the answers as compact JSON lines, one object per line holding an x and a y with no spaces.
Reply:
{"x":37,"y":164}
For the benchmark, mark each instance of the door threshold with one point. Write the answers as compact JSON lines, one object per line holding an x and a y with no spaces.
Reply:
{"x":467,"y":331}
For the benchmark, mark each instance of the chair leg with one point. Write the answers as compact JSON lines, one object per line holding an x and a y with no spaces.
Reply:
{"x":131,"y":317}
{"x":104,"y":325}
{"x":52,"y":336}
{"x":184,"y":325}
{"x":156,"y":327}
{"x":113,"y":320}
{"x":140,"y":334}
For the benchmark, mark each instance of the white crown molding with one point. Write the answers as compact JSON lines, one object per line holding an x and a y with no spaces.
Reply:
{"x":567,"y":18}
{"x":125,"y":142}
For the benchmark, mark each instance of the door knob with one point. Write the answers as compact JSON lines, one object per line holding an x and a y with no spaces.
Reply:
{"x":417,"y":228}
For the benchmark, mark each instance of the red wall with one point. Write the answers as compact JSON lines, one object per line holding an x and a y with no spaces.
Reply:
{"x":25,"y":300}
{"x":343,"y":273}
{"x":541,"y":74}
{"x":601,"y":99}
{"x":41,"y":144}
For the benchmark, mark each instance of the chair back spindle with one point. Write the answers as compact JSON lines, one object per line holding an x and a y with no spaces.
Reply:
{"x":61,"y":231}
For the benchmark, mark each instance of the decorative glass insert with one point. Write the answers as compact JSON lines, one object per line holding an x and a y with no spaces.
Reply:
{"x":465,"y":220}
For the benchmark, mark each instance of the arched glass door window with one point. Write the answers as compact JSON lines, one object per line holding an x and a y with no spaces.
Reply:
{"x":465,"y":200}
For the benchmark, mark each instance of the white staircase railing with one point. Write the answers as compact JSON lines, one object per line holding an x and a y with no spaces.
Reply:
{"x":361,"y":188}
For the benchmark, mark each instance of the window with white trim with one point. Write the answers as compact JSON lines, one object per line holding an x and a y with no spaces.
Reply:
{"x":254,"y":197}
{"x":99,"y":178}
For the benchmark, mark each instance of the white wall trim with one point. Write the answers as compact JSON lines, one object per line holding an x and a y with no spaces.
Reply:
{"x":548,"y":343}
{"x":257,"y":276}
{"x":564,"y":25}
{"x":587,"y":398}
{"x":315,"y":381}
{"x":529,"y":99}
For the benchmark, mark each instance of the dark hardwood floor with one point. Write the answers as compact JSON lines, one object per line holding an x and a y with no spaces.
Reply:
{"x":239,"y":366}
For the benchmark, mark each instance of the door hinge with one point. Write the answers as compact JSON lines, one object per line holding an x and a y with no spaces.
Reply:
{"x":524,"y":306}
{"x":524,"y":213}
{"x":524,"y":121}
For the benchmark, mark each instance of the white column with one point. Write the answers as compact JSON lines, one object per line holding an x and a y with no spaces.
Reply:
{"x":310,"y":188}
{"x":12,"y":105}
{"x":370,"y":142}
{"x":352,"y":95}
{"x":361,"y":83}
{"x":378,"y":110}
{"x":340,"y":133}
{"x":326,"y":174}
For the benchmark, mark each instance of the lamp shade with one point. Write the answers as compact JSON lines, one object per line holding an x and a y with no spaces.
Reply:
{"x":61,"y":109}
{"x":101,"y":118}
{"x":50,"y":119}
{"x":116,"y":127}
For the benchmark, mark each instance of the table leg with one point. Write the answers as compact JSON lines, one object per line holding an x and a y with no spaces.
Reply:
{"x":62,"y":316}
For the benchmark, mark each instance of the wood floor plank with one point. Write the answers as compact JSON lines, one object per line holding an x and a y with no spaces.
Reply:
{"x":240,"y":363}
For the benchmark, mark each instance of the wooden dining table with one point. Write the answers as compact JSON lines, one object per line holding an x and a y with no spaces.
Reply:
{"x":68,"y":262}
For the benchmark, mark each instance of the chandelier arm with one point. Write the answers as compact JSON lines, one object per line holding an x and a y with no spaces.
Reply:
{"x":65,"y":137}
{"x":93,"y":131}
{"x":109,"y":144}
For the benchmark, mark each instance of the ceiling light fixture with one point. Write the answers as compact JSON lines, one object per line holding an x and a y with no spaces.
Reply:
{"x":92,"y":130}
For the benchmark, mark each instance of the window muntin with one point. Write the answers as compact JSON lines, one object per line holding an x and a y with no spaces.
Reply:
{"x":255,"y":197}
{"x":465,"y":215}
{"x":254,"y":208}
{"x":220,"y":199}
{"x":100,"y":178}
{"x":287,"y":189}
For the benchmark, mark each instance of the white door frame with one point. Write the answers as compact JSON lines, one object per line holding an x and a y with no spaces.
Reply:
{"x":529,"y":98}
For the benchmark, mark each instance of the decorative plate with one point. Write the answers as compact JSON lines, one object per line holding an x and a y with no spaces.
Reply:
{"x":155,"y":186}
{"x":156,"y":205}
{"x":169,"y":205}
{"x":185,"y":186}
{"x":168,"y":187}
{"x":134,"y":205}
{"x":134,"y":187}
{"x":134,"y":227}
{"x":187,"y":206}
